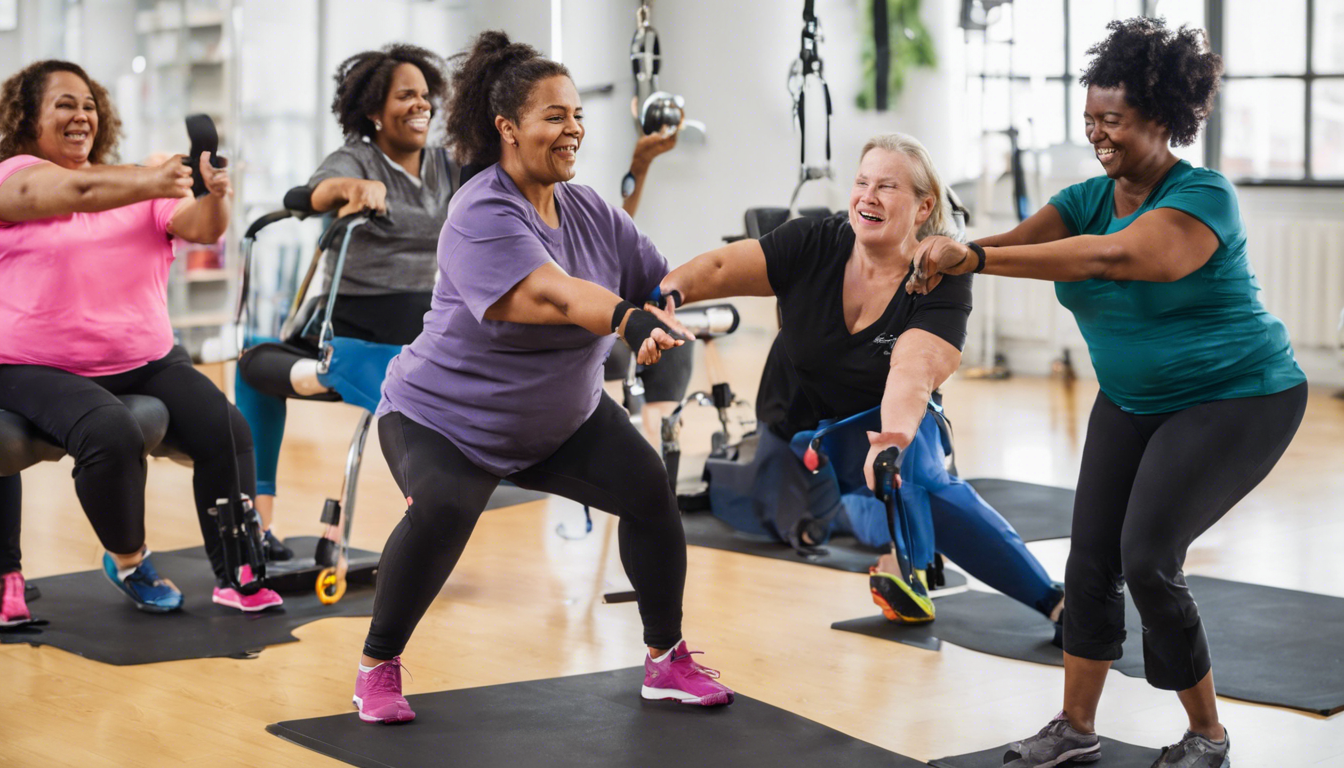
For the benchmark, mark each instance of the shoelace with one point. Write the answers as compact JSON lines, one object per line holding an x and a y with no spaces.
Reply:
{"x":714,"y":673}
{"x":382,"y":675}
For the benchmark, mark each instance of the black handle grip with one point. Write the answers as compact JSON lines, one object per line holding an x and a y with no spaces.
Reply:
{"x":886,"y":467}
{"x":204,"y":138}
{"x":299,"y":201}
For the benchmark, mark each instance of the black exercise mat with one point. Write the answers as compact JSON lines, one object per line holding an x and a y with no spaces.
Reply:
{"x":1037,"y":512}
{"x":585,"y":720}
{"x":1114,"y":754}
{"x":1270,"y":646}
{"x":844,"y":553}
{"x":89,"y":617}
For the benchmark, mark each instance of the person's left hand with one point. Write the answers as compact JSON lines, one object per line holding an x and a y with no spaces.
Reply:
{"x":877,"y":443}
{"x":650,"y":146}
{"x":216,"y":179}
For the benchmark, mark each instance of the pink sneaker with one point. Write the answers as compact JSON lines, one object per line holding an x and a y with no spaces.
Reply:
{"x":378,"y":695}
{"x":258,"y":601}
{"x":678,"y":677}
{"x":13,"y":607}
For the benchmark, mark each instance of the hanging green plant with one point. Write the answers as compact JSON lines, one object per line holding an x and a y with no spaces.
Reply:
{"x":908,"y":45}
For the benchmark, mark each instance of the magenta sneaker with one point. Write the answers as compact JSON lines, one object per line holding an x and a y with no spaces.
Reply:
{"x":678,"y":677}
{"x":259,"y":601}
{"x":13,"y":607}
{"x":378,"y":695}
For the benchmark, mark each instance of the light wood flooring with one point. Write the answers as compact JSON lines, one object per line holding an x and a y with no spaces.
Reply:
{"x":525,"y":604}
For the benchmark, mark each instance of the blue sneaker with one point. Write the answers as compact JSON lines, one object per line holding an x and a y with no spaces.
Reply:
{"x":144,"y":586}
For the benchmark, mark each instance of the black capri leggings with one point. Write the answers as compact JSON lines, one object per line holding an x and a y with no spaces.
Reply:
{"x":1150,"y":485}
{"x":83,"y":415}
{"x":606,"y":464}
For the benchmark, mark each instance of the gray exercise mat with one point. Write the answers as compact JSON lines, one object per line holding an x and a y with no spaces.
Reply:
{"x":82,"y":613}
{"x":1114,"y":754}
{"x":843,"y":553}
{"x":1037,"y":512}
{"x":594,"y":720}
{"x":509,"y":495}
{"x":1270,"y":646}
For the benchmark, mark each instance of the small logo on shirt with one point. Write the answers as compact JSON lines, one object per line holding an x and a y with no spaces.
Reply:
{"x":886,"y":342}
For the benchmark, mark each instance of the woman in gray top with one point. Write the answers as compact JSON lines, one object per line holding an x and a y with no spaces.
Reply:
{"x":384,"y":102}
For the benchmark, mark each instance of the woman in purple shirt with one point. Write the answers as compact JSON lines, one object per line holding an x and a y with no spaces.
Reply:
{"x":506,"y":379}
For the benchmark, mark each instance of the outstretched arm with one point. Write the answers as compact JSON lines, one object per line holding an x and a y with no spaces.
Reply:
{"x":549,"y":296}
{"x":47,"y":190}
{"x":737,"y":269}
{"x":204,"y":219}
{"x":1161,"y":246}
{"x":920,"y":363}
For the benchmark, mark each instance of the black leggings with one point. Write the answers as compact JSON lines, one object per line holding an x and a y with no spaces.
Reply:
{"x":606,"y":464}
{"x":1150,"y":485}
{"x":83,"y":416}
{"x":11,"y":516}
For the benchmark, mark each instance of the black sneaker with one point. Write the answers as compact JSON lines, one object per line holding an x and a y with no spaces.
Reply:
{"x":1195,"y":751}
{"x":275,"y":549}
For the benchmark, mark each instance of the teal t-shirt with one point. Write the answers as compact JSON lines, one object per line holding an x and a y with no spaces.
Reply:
{"x":1161,"y":347}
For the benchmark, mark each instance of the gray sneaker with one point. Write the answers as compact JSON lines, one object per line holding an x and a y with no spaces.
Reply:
{"x":1195,"y":751}
{"x":1056,"y":744}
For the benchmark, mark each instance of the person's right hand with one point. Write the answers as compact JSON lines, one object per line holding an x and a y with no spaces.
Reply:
{"x":171,"y":178}
{"x":364,"y":195}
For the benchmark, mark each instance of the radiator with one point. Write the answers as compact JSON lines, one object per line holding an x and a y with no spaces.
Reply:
{"x":1300,"y":264}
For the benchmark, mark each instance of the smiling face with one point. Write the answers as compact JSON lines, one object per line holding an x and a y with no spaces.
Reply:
{"x":1125,"y":141}
{"x":884,"y":208}
{"x":67,"y":122}
{"x":406,"y":112}
{"x":549,"y":130}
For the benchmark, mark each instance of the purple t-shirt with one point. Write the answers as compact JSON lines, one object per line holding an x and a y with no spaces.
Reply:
{"x":508,"y":394}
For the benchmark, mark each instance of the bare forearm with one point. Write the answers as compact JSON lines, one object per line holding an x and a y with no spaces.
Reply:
{"x":587,"y":305}
{"x":49,"y":191}
{"x":640,"y":170}
{"x":903,"y":405}
{"x":1076,"y":258}
{"x":331,"y":193}
{"x":733,"y":270}
{"x":203,"y":220}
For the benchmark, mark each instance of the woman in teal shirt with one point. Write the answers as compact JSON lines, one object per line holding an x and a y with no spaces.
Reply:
{"x":1200,"y":392}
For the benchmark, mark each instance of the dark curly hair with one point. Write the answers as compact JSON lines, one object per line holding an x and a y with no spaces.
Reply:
{"x":362,"y":82}
{"x":21,"y":104}
{"x":1169,"y":76}
{"x":493,"y":77}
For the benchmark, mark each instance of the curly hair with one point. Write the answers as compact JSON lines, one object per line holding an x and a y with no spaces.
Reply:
{"x":362,"y":82}
{"x":1169,"y":76}
{"x":493,"y":77}
{"x":21,"y":106}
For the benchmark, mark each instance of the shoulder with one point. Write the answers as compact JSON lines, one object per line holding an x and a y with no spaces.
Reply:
{"x":1205,"y":179}
{"x":484,"y":203}
{"x":589,"y":201}
{"x":355,"y":154}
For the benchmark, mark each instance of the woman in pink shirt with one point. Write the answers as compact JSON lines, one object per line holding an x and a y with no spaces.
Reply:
{"x":84,"y":256}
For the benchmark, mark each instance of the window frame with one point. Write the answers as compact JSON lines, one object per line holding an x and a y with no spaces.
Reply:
{"x":1214,"y":15}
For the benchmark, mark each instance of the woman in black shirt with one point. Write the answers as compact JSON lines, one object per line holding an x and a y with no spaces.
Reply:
{"x":855,"y":339}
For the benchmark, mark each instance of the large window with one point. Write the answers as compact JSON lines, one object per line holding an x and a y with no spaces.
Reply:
{"x":1281,"y":113}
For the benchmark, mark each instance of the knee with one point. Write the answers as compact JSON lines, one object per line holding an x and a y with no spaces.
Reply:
{"x":1146,"y":571}
{"x":441,"y":520}
{"x":107,"y":433}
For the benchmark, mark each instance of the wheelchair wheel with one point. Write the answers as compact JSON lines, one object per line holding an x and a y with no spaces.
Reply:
{"x":330,"y":586}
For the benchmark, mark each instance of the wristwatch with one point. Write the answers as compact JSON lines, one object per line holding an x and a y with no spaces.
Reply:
{"x":628,"y":184}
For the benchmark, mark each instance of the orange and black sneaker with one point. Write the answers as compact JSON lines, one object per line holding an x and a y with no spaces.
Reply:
{"x":904,"y":601}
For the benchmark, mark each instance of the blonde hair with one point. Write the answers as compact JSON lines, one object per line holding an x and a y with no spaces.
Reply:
{"x":924,"y":176}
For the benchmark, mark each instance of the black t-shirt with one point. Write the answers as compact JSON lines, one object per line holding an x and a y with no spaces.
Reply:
{"x":840,"y":373}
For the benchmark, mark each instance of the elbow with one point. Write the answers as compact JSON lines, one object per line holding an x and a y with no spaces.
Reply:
{"x":1112,"y":261}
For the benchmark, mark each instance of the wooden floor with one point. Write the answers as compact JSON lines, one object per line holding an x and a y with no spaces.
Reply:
{"x":525,"y":604}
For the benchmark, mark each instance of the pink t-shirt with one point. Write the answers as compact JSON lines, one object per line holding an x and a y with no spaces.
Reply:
{"x":87,"y":292}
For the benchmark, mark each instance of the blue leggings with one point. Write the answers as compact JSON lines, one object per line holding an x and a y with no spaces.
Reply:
{"x":265,"y":414}
{"x":945,"y":514}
